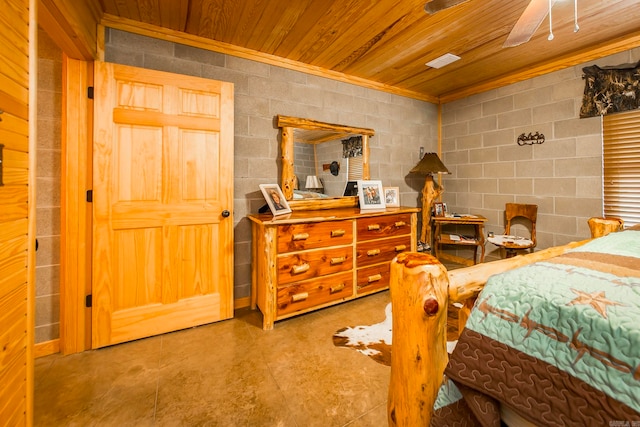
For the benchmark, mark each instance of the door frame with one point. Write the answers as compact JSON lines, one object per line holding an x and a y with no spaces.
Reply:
{"x":75,"y":210}
{"x":76,"y":30}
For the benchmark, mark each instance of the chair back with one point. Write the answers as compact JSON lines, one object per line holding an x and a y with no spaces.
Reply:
{"x":521,"y":210}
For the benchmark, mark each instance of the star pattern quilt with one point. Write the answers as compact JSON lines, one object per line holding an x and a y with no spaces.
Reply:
{"x":557,"y":341}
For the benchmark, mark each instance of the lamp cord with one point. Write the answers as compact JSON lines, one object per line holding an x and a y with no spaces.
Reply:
{"x":550,"y":22}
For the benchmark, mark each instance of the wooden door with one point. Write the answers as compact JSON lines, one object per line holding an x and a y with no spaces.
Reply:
{"x":162,"y":201}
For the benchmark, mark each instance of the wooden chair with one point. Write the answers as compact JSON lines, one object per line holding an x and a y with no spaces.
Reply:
{"x":600,"y":226}
{"x":509,"y":242}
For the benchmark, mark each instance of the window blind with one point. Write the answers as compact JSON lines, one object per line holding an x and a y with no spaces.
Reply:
{"x":621,"y":162}
{"x":355,"y":168}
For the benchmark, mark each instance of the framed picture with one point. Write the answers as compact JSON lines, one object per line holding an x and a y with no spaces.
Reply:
{"x":438,"y":209}
{"x":371,"y":194}
{"x":275,"y":199}
{"x":392,"y":197}
{"x":351,"y":189}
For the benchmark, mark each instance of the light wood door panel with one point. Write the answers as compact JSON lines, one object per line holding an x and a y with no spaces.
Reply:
{"x":163,"y":175}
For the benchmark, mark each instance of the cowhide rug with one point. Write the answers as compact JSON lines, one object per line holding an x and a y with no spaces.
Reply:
{"x":373,"y":340}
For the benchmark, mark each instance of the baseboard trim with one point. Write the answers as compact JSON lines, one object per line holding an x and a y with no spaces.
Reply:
{"x":46,"y":348}
{"x":241,"y":302}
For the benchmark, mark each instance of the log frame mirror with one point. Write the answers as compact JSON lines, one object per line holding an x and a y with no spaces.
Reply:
{"x":315,"y":132}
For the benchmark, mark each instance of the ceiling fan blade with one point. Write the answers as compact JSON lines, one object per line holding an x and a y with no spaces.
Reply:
{"x":434,"y":6}
{"x":528,"y":22}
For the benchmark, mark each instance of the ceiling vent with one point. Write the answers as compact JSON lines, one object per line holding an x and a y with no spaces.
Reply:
{"x":440,"y":62}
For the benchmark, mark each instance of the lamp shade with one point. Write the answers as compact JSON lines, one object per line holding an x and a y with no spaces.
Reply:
{"x":313,"y":182}
{"x":429,"y":164}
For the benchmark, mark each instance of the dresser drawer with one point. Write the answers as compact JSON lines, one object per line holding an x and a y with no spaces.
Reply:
{"x":377,"y":251}
{"x":383,"y":226}
{"x":310,"y":293}
{"x":297,"y":237}
{"x":373,"y":278}
{"x":308,"y":264}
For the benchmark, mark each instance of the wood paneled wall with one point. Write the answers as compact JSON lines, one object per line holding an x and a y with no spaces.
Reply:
{"x":16,"y":273}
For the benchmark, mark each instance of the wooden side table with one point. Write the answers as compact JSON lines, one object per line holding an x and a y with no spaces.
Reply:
{"x":475,"y":241}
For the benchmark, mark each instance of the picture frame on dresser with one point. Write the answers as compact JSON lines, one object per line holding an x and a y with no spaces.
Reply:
{"x":275,"y":199}
{"x":371,"y":194}
{"x":392,"y":197}
{"x":351,"y":189}
{"x":438,"y":209}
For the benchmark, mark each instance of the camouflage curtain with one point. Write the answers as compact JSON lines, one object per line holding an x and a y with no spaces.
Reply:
{"x":352,"y":147}
{"x":610,"y":90}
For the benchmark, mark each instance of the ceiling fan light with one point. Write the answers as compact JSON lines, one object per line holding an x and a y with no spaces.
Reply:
{"x":443,"y":60}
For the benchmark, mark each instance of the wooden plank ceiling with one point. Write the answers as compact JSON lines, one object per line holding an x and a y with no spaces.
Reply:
{"x":387,"y":42}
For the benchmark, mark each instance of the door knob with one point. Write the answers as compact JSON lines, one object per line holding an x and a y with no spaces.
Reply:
{"x":226,"y":213}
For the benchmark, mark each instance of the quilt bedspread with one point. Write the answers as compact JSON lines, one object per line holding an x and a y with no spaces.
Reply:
{"x":557,"y":341}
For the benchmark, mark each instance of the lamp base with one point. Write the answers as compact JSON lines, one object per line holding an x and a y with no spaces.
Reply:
{"x":429,"y":194}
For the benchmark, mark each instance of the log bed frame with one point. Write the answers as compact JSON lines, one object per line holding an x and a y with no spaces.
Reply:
{"x":421,"y":290}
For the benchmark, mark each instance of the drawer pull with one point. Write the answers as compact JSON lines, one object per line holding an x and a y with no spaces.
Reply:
{"x":374,"y":278}
{"x":372,"y":227}
{"x":400,"y":223}
{"x":337,"y":288}
{"x":297,"y":269}
{"x":338,"y":260}
{"x":300,"y":236}
{"x":401,"y":248}
{"x":299,"y":297}
{"x":373,"y":252}
{"x":337,"y":233}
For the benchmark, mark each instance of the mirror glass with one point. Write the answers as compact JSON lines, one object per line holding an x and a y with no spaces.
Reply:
{"x":315,"y":170}
{"x":322,"y":160}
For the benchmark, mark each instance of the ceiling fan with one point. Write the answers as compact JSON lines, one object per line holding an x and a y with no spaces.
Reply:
{"x":525,"y":27}
{"x":434,"y":6}
{"x":529,"y":22}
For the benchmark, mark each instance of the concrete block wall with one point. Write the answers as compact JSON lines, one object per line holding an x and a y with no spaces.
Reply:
{"x":48,"y":181}
{"x":327,"y":153}
{"x":563,"y":176}
{"x":263,"y":91}
{"x":304,"y":163}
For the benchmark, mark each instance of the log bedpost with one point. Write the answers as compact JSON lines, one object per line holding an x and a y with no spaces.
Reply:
{"x":600,"y":226}
{"x":419,"y":293}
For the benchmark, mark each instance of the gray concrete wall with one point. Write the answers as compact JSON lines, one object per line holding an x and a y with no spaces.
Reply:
{"x":563,"y":176}
{"x":263,"y":91}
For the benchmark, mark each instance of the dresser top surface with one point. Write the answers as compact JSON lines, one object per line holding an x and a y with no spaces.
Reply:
{"x":326,"y":215}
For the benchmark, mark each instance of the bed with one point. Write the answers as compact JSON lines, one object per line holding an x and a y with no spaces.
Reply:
{"x":552,"y":339}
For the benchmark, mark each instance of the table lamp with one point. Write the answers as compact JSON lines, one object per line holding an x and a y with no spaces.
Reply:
{"x":313,"y":183}
{"x":428,"y":165}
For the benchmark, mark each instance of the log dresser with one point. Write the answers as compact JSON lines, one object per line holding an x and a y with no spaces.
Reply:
{"x":312,"y":259}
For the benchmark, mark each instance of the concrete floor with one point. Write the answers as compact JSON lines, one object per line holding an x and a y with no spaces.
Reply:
{"x":230,"y":373}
